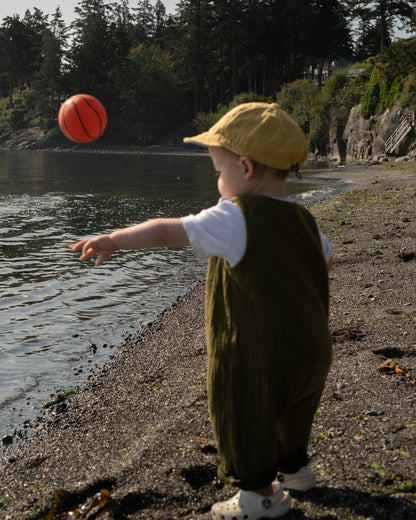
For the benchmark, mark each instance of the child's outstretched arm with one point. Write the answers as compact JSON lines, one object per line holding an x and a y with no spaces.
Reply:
{"x":157,"y":233}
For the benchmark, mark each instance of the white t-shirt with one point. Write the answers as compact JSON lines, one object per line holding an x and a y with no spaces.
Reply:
{"x":221,"y":231}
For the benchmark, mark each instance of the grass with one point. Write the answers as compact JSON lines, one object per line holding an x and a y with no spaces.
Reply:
{"x":62,"y":396}
{"x":188,"y":454}
{"x":403,"y":452}
{"x":396,"y":428}
{"x":403,"y":483}
{"x":362,"y":418}
{"x":406,"y":165}
{"x":4,"y":502}
{"x":324,"y":436}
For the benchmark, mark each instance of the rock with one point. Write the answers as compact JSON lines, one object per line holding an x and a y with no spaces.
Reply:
{"x":364,"y":139}
{"x":7,"y":440}
{"x":406,"y":257}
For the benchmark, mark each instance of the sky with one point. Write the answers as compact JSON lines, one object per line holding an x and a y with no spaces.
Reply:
{"x":11,"y":7}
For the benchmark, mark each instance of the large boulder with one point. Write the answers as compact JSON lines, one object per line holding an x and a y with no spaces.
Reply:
{"x":363,"y":140}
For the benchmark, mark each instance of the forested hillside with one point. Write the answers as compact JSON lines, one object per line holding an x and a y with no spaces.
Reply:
{"x":160,"y":76}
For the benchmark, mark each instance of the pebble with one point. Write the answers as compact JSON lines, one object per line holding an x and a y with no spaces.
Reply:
{"x":7,"y":440}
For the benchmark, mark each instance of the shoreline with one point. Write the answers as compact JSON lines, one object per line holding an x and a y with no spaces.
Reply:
{"x":140,"y":428}
{"x":35,"y":139}
{"x":24,"y":407}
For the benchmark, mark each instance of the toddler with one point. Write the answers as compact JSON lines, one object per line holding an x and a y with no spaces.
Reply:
{"x":266,"y":311}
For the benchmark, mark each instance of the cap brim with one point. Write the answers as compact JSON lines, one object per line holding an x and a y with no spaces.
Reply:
{"x":204,"y":139}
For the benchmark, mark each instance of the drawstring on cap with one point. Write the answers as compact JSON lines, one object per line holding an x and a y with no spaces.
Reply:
{"x":295,"y":168}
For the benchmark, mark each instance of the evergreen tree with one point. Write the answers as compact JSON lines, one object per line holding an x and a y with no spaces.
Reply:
{"x":376,"y":21}
{"x":49,"y":80}
{"x":370,"y":41}
{"x":144,"y":22}
{"x":16,"y":54}
{"x":152,"y":94}
{"x":91,"y":52}
{"x":36,"y":25}
{"x":328,"y":20}
{"x":120,"y":40}
{"x":160,"y":15}
{"x":227,"y":48}
{"x":194,"y":47}
{"x":214,"y":51}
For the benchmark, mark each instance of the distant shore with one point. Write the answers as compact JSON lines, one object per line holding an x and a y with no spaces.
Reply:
{"x":140,"y":429}
{"x":37,"y":140}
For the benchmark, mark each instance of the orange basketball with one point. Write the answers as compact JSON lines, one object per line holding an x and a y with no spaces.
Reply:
{"x":82,"y":118}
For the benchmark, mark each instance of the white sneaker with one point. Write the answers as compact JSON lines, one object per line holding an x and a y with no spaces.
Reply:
{"x":302,"y":480}
{"x":248,"y":505}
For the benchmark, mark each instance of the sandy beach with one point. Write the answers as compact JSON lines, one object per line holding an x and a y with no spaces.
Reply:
{"x":140,"y":430}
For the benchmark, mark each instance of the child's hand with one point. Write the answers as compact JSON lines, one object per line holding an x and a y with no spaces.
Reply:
{"x":102,"y":246}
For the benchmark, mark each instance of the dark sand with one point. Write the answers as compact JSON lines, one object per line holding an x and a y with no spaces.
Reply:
{"x":140,"y":428}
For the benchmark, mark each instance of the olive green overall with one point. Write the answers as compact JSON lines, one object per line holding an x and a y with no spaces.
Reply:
{"x":269,"y":348}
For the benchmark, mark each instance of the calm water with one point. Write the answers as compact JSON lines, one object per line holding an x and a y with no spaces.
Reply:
{"x":60,"y":319}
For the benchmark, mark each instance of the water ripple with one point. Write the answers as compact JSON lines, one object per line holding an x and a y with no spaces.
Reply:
{"x":52,"y":307}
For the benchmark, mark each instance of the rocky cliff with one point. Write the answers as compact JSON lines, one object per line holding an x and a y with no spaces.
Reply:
{"x":363,"y":140}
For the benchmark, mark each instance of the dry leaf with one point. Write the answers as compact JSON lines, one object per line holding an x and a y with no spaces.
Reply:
{"x":391,"y":367}
{"x":388,"y":366}
{"x":400,"y":372}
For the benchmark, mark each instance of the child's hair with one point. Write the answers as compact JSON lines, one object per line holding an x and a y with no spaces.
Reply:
{"x":261,"y":131}
{"x":282,"y":174}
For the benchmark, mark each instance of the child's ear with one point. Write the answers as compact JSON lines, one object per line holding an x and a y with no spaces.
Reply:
{"x":247,"y":166}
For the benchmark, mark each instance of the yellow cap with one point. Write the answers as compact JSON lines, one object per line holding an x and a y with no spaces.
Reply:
{"x":261,"y":131}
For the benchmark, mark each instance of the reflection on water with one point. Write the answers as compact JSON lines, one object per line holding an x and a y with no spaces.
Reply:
{"x":52,"y":307}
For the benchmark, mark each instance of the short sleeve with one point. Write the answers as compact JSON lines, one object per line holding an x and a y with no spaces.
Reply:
{"x":218,"y":231}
